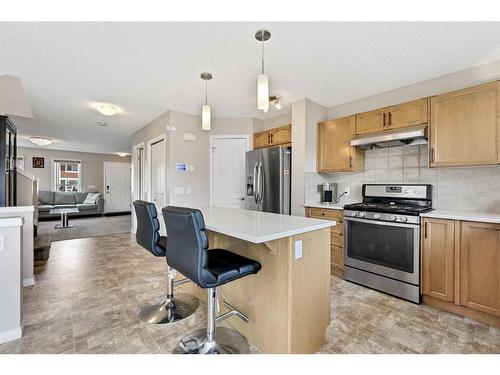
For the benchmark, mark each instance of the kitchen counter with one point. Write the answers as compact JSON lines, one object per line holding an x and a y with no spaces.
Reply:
{"x":335,"y":206}
{"x":256,"y":226}
{"x":288,"y":300}
{"x":463,"y":215}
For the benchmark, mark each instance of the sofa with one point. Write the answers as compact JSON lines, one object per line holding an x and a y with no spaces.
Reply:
{"x":57,"y":199}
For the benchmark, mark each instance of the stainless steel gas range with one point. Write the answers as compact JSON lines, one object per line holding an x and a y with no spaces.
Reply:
{"x":382,"y":238}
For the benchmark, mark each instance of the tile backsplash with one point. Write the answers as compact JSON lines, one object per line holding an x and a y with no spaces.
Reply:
{"x":468,"y":189}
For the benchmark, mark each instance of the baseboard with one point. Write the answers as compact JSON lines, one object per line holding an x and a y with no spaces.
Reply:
{"x":480,"y":316}
{"x":29,"y":282}
{"x":11,"y":335}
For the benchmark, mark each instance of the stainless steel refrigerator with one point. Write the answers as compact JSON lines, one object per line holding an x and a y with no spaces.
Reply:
{"x":268,"y":172}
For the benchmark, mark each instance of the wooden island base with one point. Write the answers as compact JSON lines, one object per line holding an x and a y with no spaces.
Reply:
{"x":288,"y":301}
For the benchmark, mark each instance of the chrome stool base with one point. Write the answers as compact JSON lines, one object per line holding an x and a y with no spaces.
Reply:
{"x":228,"y":341}
{"x":169,"y":310}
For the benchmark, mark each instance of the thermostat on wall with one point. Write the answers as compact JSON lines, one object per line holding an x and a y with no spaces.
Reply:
{"x":181,"y":167}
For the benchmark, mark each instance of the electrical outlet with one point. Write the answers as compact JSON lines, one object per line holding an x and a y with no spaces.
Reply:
{"x":188,"y":189}
{"x":298,"y":249}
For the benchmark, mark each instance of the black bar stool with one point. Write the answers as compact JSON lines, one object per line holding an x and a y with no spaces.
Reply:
{"x":187,"y":252}
{"x":170,"y":309}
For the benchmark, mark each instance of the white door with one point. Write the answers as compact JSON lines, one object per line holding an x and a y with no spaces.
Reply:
{"x":116,"y":187}
{"x":228,"y":171}
{"x":158,"y":174}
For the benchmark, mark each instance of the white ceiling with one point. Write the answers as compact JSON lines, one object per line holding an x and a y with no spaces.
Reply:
{"x":148,"y":68}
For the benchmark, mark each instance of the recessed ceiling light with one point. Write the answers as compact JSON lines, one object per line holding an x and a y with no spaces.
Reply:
{"x":107,"y":109}
{"x":41,"y":141}
{"x":102,"y":123}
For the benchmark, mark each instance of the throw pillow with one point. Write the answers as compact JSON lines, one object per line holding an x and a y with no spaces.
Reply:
{"x":92,"y":198}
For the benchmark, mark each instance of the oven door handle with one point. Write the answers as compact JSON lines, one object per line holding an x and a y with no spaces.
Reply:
{"x":386,"y":223}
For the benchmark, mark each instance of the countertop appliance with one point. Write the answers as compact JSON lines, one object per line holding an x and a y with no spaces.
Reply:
{"x":328,"y":191}
{"x":382,"y":238}
{"x":268,"y":175}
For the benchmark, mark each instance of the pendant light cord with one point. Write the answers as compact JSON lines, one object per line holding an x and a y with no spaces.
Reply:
{"x":206,"y":92}
{"x":262,"y":36}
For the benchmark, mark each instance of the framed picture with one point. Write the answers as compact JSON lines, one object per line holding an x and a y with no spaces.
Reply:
{"x":20,"y":162}
{"x":38,"y":162}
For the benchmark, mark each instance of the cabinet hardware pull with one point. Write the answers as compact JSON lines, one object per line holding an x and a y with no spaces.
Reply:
{"x":271,"y":137}
{"x":384,"y":120}
{"x":425,"y":229}
{"x":350,"y":161}
{"x":390,"y":118}
{"x":432,"y":154}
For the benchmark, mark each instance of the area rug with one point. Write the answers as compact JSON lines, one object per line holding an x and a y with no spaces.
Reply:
{"x":86,"y":227}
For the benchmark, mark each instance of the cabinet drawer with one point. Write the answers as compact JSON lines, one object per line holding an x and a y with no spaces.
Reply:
{"x":326,"y":214}
{"x":336,"y":240}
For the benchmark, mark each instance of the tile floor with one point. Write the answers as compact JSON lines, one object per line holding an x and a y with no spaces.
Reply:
{"x":87,"y":295}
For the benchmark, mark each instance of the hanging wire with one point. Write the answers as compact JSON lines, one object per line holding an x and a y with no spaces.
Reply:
{"x":206,"y":92}
{"x":262,"y":38}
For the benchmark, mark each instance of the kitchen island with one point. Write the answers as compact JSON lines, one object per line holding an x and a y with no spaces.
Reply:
{"x":288,"y":301}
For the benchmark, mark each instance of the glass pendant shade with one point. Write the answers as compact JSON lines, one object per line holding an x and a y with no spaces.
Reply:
{"x":206,"y":117}
{"x":263,"y":92}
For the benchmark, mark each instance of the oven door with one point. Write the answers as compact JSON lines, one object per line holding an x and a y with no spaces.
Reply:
{"x":387,"y":249}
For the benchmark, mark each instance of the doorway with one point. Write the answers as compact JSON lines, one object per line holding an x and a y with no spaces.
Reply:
{"x":116,"y":187}
{"x":227,"y":170}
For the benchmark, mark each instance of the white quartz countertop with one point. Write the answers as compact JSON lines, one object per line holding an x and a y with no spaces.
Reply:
{"x":335,"y":206}
{"x":258,"y":227}
{"x":463,"y":215}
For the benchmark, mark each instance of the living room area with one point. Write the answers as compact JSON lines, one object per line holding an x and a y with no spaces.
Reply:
{"x":79,"y":194}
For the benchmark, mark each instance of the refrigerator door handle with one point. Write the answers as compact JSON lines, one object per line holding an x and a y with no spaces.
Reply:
{"x":261,"y":184}
{"x":255,"y":186}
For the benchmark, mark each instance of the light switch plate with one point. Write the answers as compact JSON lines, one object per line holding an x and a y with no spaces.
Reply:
{"x":298,"y":249}
{"x":2,"y":242}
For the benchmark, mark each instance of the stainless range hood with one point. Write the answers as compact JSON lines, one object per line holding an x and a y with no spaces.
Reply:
{"x":410,"y":136}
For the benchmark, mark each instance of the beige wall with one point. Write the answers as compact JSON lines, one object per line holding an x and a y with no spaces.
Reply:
{"x":449,"y":82}
{"x":92,"y":166}
{"x":196,"y":153}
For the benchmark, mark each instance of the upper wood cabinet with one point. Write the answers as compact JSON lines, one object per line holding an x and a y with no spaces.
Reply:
{"x":465,"y":127}
{"x":480,"y":267}
{"x":372,"y":122}
{"x":394,"y":117}
{"x":408,"y":114}
{"x":335,"y":153}
{"x":273,"y":137}
{"x":438,"y":259}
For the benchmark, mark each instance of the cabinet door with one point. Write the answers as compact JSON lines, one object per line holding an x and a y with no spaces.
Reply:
{"x":409,"y":114}
{"x":438,"y":259}
{"x":335,"y":153}
{"x":480,"y":267}
{"x":281,"y":135}
{"x":372,"y":122}
{"x":261,"y":139}
{"x":465,"y":127}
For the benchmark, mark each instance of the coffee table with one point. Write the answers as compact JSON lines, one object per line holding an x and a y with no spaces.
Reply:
{"x":64,"y":211}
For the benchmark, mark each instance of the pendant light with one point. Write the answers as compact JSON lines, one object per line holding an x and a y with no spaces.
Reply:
{"x":206,"y":111}
{"x":263,"y":79}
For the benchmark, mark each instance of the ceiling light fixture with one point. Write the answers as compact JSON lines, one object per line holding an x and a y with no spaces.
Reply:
{"x":122,"y":154}
{"x":107,"y":109}
{"x":276,"y":101}
{"x":263,"y":79}
{"x":41,"y":141}
{"x":206,"y":111}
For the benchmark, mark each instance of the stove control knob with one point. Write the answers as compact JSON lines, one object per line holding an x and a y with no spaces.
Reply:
{"x":361,"y":214}
{"x":394,"y":217}
{"x":404,"y":219}
{"x":377,"y":216}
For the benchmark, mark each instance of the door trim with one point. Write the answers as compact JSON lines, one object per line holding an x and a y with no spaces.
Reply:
{"x":104,"y":181}
{"x":246,"y":137}
{"x":134,"y":194}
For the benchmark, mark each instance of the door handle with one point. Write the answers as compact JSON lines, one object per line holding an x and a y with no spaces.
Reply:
{"x":255,"y":187}
{"x":261,"y":184}
{"x":242,"y":198}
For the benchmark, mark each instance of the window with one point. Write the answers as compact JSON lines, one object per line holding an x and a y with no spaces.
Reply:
{"x":67,"y":175}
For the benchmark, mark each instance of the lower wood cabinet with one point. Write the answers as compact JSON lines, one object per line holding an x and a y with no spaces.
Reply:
{"x":461,"y":266}
{"x":480,"y":267}
{"x":438,"y":259}
{"x":336,"y":237}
